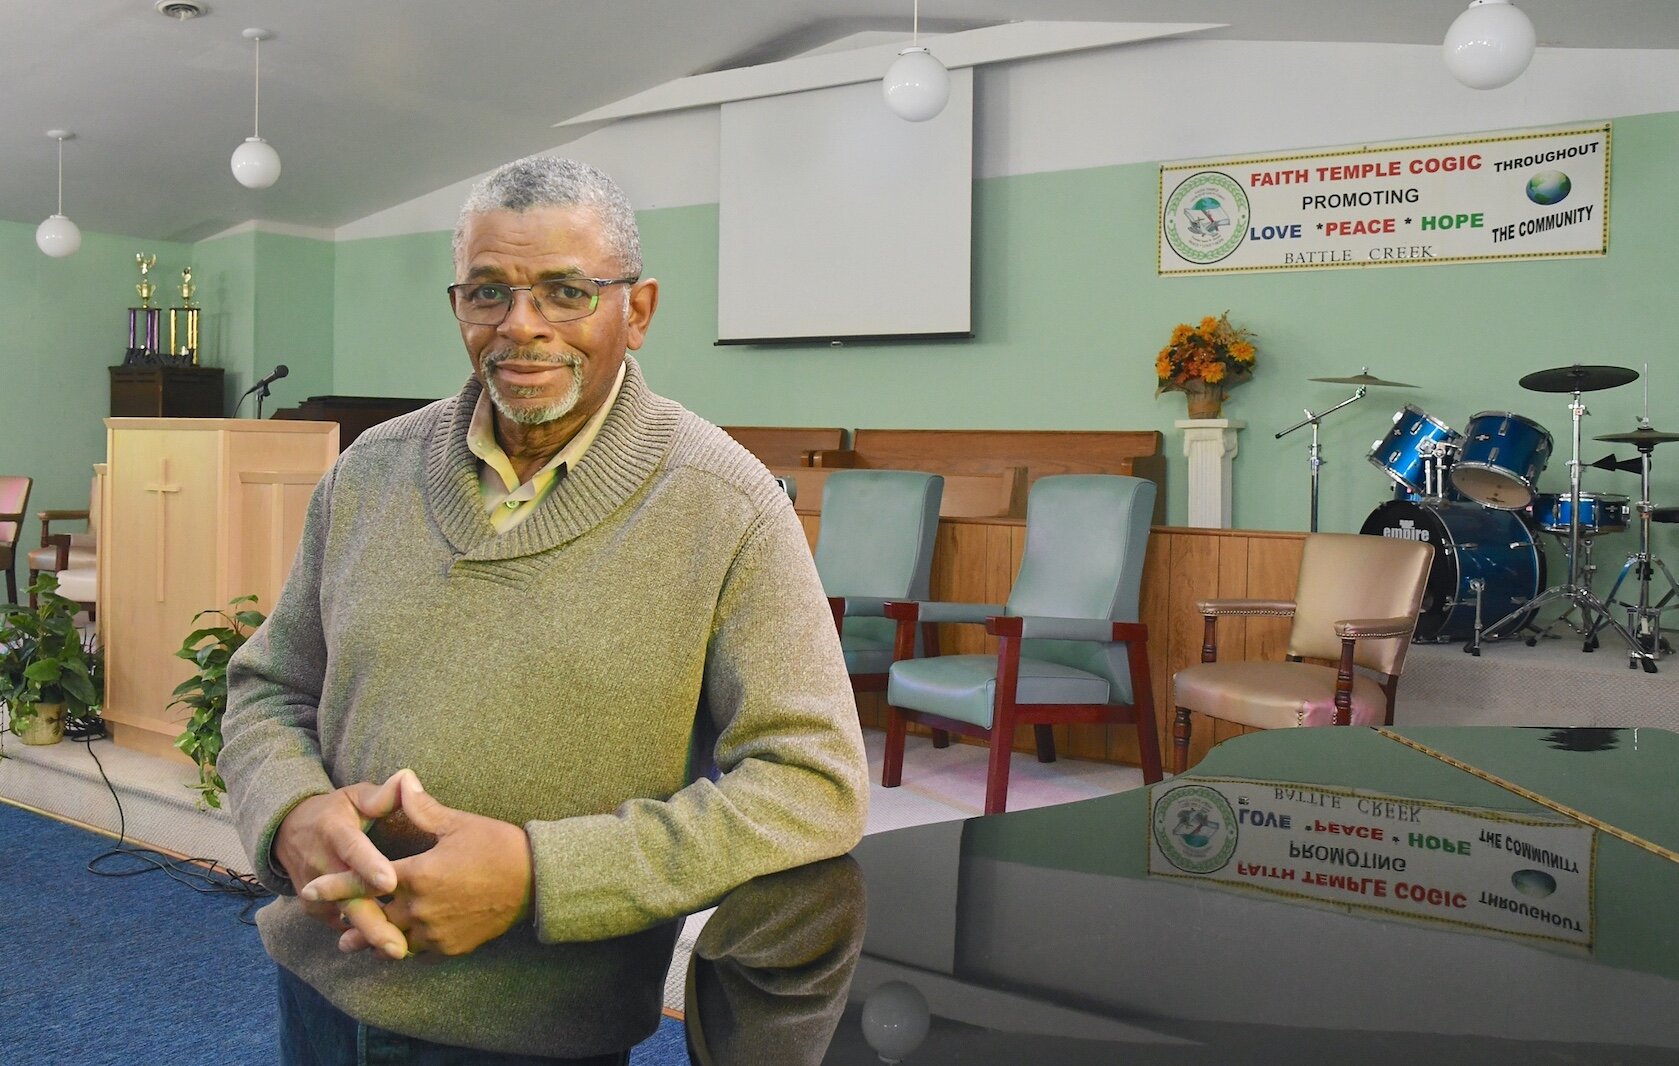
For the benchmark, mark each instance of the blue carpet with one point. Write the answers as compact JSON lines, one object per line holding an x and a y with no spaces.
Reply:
{"x":138,"y":970}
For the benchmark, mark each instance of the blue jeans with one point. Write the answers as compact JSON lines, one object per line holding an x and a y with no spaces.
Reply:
{"x":315,"y":1033}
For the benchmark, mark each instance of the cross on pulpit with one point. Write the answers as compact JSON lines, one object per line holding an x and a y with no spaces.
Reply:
{"x":163,"y":488}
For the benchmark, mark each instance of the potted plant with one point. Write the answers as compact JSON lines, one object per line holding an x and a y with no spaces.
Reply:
{"x":205,"y":692}
{"x":48,"y":673}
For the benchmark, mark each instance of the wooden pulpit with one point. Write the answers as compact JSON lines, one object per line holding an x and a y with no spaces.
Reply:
{"x":196,"y":512}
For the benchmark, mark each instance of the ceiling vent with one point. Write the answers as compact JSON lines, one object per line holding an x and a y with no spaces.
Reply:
{"x":181,"y":10}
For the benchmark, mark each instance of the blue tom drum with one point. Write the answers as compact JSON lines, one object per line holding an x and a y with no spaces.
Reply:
{"x":1600,"y":512}
{"x":1416,"y":442}
{"x":1469,"y":543}
{"x":1502,"y":456}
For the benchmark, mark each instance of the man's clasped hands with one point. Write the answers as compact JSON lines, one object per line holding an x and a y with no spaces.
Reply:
{"x":467,"y":880}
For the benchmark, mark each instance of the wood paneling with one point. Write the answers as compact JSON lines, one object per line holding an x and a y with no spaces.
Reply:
{"x":988,"y":451}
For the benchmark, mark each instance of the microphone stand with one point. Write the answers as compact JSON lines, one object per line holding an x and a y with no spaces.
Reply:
{"x":1315,"y":452}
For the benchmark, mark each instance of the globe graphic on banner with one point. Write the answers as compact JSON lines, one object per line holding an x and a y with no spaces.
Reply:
{"x":1548,"y":187}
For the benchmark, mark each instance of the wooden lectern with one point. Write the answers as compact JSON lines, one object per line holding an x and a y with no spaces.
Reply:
{"x":196,"y":512}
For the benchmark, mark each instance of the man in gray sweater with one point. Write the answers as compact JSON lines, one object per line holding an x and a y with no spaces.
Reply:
{"x":467,"y":747}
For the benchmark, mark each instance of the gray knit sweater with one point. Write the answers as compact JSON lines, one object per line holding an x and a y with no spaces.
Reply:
{"x":552,"y":676}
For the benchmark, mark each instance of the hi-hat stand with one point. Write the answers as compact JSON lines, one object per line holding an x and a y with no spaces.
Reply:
{"x":1643,"y":617}
{"x":1595,"y":614}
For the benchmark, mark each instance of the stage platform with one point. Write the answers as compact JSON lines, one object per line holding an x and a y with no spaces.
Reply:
{"x":1552,"y":683}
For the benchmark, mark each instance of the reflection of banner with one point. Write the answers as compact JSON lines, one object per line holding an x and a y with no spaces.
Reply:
{"x":1515,"y":875}
{"x":1516,"y":196}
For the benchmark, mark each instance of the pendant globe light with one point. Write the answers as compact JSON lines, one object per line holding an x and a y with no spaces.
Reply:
{"x":916,"y":85}
{"x":58,"y":236}
{"x":1490,"y":44}
{"x":256,"y":164}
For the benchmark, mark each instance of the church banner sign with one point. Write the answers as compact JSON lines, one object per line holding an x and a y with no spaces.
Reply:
{"x":1523,"y":876}
{"x":1527,"y":195}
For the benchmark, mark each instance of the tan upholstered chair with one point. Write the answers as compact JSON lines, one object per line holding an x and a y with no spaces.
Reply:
{"x":1355,"y":604}
{"x":14,"y":497}
{"x":74,"y":557}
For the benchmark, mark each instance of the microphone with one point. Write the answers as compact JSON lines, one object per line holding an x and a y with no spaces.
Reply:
{"x":280,"y":371}
{"x":261,"y":388}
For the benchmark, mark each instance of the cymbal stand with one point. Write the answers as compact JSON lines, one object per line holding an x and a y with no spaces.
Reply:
{"x":1594,"y":612}
{"x":1315,"y":453}
{"x":1643,"y":617}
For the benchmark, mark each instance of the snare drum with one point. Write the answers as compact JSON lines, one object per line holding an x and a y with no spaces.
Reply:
{"x":1469,"y":542}
{"x":1600,"y":512}
{"x":1416,"y":440}
{"x":1502,"y":456}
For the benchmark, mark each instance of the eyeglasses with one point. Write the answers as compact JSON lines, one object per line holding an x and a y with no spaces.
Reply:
{"x":567,"y":299}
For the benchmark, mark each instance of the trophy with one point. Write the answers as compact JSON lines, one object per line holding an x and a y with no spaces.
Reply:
{"x":143,"y":321}
{"x":183,"y":325}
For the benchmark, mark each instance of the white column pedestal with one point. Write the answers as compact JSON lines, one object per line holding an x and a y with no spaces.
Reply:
{"x":1210,"y":444}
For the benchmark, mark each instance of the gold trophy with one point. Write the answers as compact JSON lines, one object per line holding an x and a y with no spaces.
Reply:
{"x":183,"y":324}
{"x":143,"y":321}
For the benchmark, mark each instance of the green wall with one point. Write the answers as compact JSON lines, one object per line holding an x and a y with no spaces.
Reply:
{"x":393,"y":333}
{"x":66,"y":322}
{"x":266,"y":298}
{"x":1069,"y":313}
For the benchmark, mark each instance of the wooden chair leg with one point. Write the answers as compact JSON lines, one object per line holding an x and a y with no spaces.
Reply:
{"x":1148,"y":748}
{"x":1045,"y":736}
{"x":997,"y":771}
{"x":941,"y":738}
{"x":1180,"y":741}
{"x":892,"y":763}
{"x":11,"y":585}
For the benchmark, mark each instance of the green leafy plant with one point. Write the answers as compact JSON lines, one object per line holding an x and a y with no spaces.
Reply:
{"x":205,"y":693}
{"x":46,"y":660}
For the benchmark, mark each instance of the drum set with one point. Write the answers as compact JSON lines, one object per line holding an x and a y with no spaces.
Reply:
{"x":1474,"y":497}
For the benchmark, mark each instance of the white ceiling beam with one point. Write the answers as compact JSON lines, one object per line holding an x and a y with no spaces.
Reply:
{"x":990,"y":44}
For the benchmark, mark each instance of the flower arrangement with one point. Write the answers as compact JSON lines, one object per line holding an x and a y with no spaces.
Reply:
{"x":1205,"y":360}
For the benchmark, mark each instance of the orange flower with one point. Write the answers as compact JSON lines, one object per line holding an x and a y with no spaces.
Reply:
{"x":1213,"y":353}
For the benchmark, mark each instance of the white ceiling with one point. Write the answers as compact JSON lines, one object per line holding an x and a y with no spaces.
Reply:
{"x":373,"y":102}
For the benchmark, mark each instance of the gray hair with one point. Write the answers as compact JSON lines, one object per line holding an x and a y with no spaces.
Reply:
{"x":544,"y":181}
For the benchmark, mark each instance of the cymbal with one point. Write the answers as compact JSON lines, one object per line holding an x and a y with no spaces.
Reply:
{"x":1639,"y":436}
{"x":1364,"y":379}
{"x":1577,"y":378}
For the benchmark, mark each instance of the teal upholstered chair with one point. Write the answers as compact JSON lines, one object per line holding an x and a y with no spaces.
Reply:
{"x":875,"y":545}
{"x":1070,"y":648}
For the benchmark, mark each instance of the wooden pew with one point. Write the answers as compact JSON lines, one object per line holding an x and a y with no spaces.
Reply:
{"x":982,"y":451}
{"x":998,"y":494}
{"x":786,"y":446}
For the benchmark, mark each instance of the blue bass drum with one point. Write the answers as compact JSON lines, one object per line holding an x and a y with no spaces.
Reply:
{"x":1502,"y":456}
{"x":1416,"y":438}
{"x":1469,"y":542}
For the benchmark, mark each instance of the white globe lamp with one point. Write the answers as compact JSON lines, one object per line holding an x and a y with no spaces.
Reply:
{"x":58,"y":236}
{"x":916,"y":85}
{"x":895,"y":1020}
{"x":1490,"y":44}
{"x":256,"y":164}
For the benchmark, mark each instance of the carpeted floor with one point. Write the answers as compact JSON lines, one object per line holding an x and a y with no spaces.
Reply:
{"x":142,"y":969}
